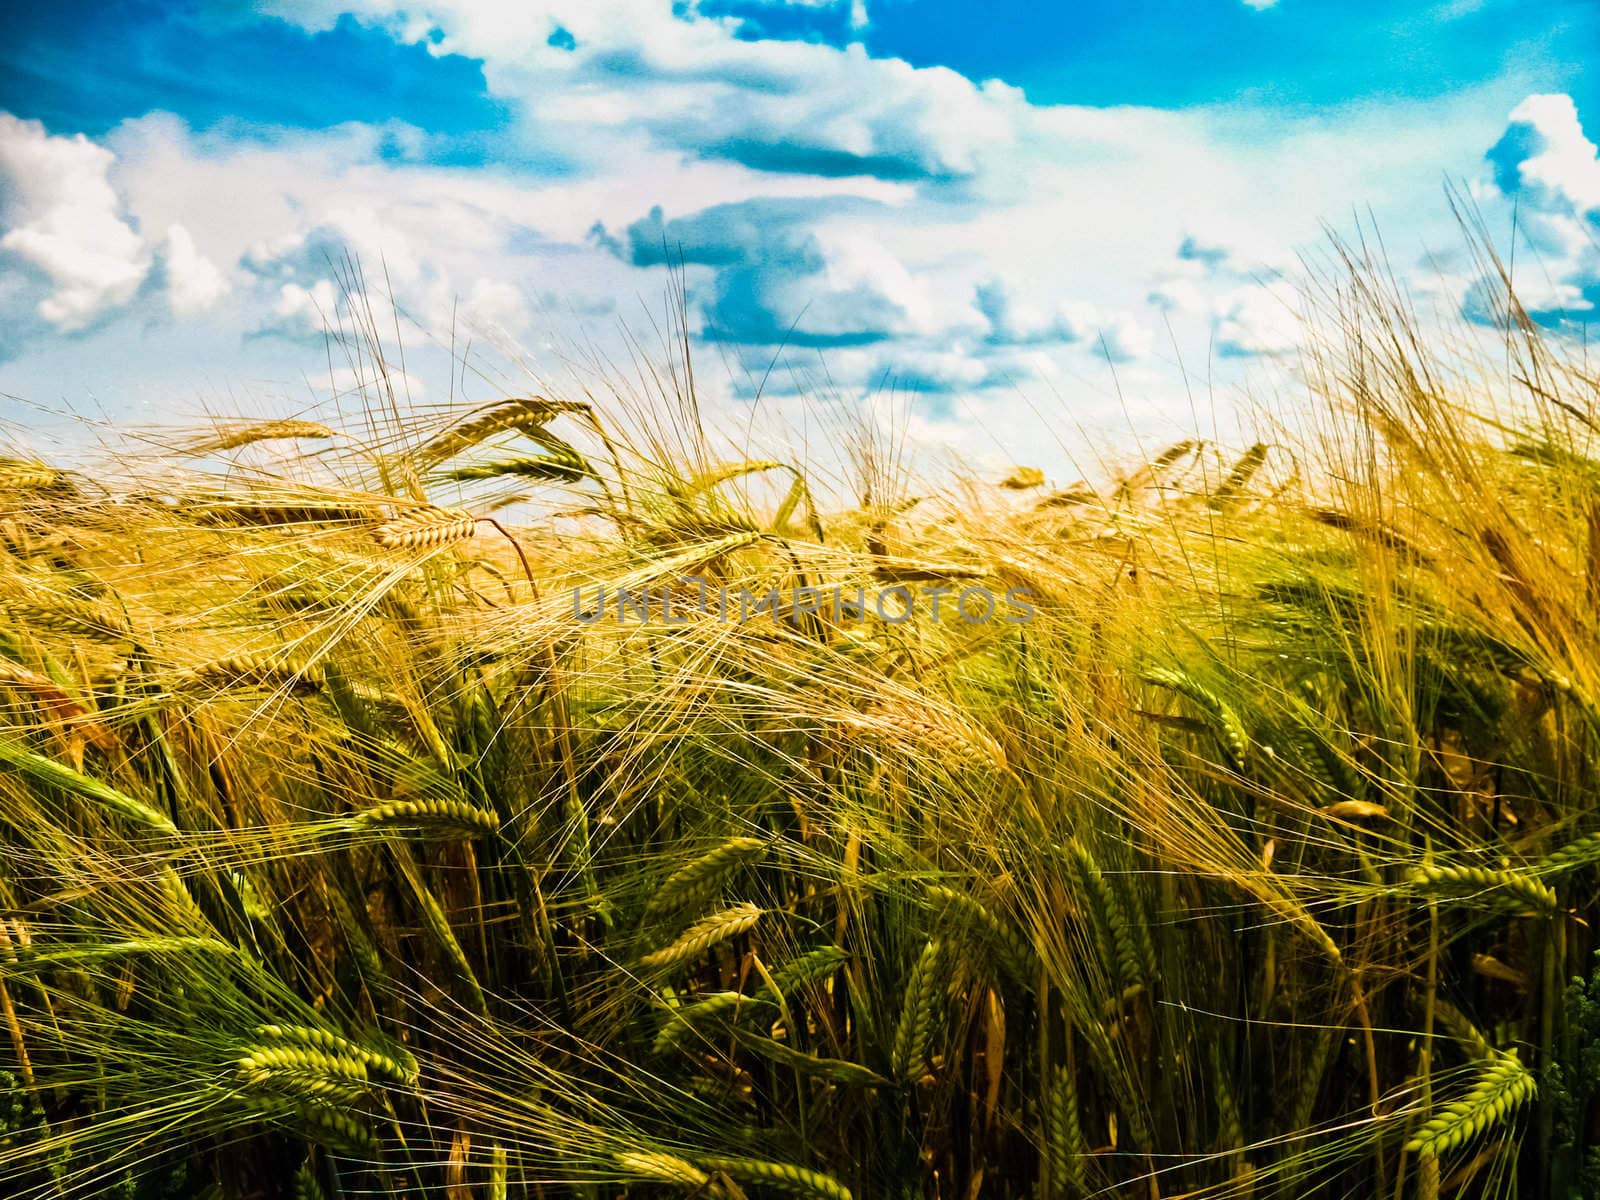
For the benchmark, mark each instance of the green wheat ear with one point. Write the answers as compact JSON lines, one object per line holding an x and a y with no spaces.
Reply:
{"x":1066,"y":1147}
{"x":1011,"y":950}
{"x":918,"y":1013}
{"x":692,"y":884}
{"x":47,"y":773}
{"x":306,"y":1184}
{"x":1221,"y":717}
{"x":1502,"y":1086}
{"x":1506,"y":887}
{"x":703,"y":935}
{"x":661,"y":1168}
{"x":783,"y":1177}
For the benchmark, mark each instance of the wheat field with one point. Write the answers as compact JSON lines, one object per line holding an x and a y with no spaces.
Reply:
{"x":349,"y":848}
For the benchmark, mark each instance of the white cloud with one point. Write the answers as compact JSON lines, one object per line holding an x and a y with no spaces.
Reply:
{"x":1259,"y":319}
{"x":349,"y":381}
{"x":62,"y":218}
{"x":1017,"y":319}
{"x":1545,"y":159}
{"x":496,"y":306}
{"x":1260,"y":5}
{"x":887,"y":218}
{"x":64,"y":225}
{"x":192,"y":282}
{"x":301,"y":313}
{"x":692,"y":86}
{"x":1546,"y":164}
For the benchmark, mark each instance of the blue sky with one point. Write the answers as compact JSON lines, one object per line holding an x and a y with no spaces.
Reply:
{"x":967,"y":206}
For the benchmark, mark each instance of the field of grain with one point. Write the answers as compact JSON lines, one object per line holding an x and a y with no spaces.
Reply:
{"x":342,"y":854}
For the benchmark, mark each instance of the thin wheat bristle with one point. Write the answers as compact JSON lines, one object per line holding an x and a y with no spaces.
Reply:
{"x":951,"y":740}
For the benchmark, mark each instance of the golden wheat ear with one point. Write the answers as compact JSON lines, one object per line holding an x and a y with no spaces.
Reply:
{"x":237,"y":436}
{"x":426,"y":528}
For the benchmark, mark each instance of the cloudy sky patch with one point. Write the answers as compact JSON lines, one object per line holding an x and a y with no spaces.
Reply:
{"x":964,"y":204}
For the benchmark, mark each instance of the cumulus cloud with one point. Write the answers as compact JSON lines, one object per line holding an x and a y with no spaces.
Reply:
{"x":1544,"y":159}
{"x":63,"y":221}
{"x":1546,"y":164}
{"x":932,"y":371}
{"x":190,"y":281}
{"x":1015,"y":320}
{"x":1258,"y":319}
{"x":309,"y":272}
{"x":779,"y":275}
{"x":349,"y":381}
{"x":684,"y":79}
{"x":1252,"y":308}
{"x":928,"y":232}
{"x":64,"y":228}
